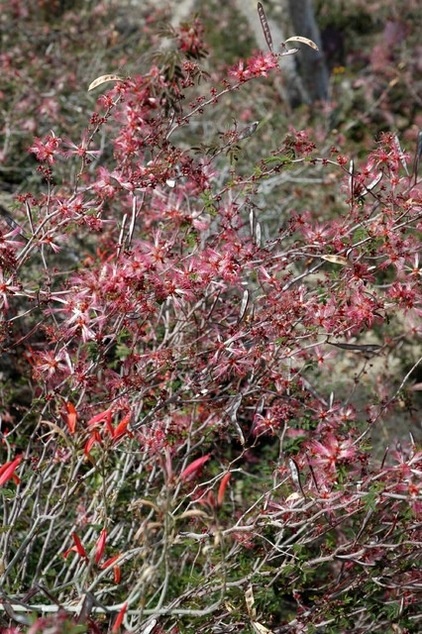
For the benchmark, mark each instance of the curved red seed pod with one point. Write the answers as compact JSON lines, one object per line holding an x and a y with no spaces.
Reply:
{"x":100,"y":546}
{"x":7,"y":471}
{"x":79,"y":547}
{"x":119,"y":619}
{"x":117,"y":574}
{"x":121,"y":428}
{"x":71,"y":416}
{"x":222,"y":488}
{"x":193,"y":467}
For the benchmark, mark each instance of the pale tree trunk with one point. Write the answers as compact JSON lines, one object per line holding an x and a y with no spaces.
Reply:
{"x":306,"y":78}
{"x":292,"y":88}
{"x":305,"y":75}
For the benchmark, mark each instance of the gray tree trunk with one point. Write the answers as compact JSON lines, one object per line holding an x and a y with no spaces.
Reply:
{"x":313,"y":69}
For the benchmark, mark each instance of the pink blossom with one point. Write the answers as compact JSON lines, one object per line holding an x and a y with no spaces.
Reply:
{"x":7,"y":288}
{"x":256,"y":66}
{"x":330,"y":451}
{"x":46,"y":149}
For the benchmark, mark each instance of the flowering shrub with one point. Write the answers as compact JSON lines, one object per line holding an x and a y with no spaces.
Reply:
{"x":180,"y":459}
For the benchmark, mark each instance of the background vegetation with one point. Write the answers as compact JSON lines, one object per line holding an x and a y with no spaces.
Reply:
{"x":210,"y":324}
